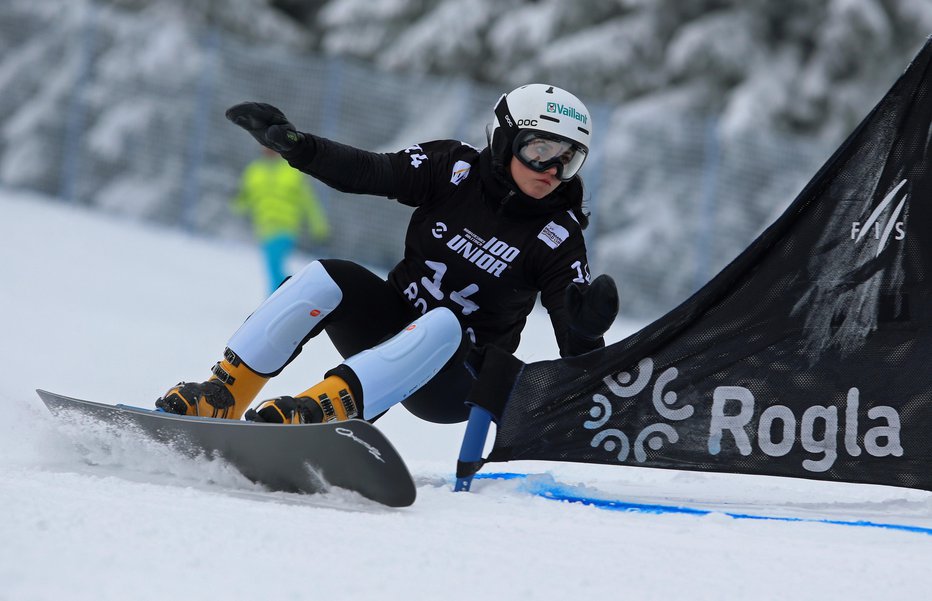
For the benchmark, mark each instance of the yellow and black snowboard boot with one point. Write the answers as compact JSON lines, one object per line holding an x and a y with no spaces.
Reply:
{"x":330,"y":400}
{"x":226,"y":394}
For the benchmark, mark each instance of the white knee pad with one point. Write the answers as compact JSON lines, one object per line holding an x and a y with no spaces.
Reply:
{"x":272,"y":334}
{"x":392,"y":371}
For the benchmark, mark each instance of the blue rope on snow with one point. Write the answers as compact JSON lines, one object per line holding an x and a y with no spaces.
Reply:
{"x":557,"y":492}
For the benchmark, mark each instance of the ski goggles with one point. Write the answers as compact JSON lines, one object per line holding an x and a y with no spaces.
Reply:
{"x":540,"y":151}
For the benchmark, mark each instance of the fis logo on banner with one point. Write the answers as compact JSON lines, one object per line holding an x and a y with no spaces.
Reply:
{"x":735,"y":412}
{"x":882,"y":230}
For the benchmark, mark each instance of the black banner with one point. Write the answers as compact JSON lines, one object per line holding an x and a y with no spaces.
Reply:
{"x":810,"y":355}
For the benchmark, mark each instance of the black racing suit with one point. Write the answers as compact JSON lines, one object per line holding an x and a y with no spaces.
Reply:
{"x":474,"y":244}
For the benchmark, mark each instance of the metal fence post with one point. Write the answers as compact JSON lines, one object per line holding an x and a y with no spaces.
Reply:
{"x":602,"y":115}
{"x":197,"y":143}
{"x":708,"y":202}
{"x":464,"y":94}
{"x":76,"y":113}
{"x":330,"y":114}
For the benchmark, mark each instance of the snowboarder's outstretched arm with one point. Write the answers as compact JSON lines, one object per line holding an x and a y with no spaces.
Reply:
{"x":345,"y":168}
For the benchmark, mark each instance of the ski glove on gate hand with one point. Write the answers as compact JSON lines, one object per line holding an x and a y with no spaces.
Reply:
{"x":592,"y":310}
{"x":266,"y":124}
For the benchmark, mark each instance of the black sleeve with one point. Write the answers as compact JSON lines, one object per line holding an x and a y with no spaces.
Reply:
{"x":343,"y":167}
{"x":428,"y":171}
{"x":414,"y":176}
{"x":565,"y":264}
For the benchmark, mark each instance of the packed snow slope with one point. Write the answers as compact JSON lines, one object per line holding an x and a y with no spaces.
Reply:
{"x":114,"y":311}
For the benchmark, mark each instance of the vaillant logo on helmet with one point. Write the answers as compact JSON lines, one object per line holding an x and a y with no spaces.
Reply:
{"x":877,"y":228}
{"x":553,"y":107}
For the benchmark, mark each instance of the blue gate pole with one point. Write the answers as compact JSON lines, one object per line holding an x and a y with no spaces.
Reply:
{"x":477,"y":429}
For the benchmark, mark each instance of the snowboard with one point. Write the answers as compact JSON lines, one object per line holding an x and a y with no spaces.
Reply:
{"x":306,"y":458}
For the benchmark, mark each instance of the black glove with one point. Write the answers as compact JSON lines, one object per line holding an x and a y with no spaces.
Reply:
{"x":592,"y":310}
{"x":267,"y":124}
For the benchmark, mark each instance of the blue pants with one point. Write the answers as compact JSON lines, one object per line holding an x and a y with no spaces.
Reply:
{"x":277,"y":250}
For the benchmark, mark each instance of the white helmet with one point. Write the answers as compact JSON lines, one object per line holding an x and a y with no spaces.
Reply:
{"x":546,"y":126}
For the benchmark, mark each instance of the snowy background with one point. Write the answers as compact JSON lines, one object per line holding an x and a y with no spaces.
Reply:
{"x":101,"y":309}
{"x":116,"y":167}
{"x":709,"y":115}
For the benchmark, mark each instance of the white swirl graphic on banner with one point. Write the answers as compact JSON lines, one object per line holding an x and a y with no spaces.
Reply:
{"x":645,"y":371}
{"x":626,"y":386}
{"x":600,"y":413}
{"x":655,"y":442}
{"x":604,"y":437}
{"x":663,"y":402}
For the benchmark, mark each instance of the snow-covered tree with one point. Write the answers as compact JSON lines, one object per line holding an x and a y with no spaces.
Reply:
{"x":709,"y":114}
{"x":811,"y":67}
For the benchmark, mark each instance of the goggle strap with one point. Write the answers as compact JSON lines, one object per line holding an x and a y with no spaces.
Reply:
{"x":504,"y":116}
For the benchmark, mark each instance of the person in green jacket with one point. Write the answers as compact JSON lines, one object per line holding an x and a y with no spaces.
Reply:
{"x":278,"y":198}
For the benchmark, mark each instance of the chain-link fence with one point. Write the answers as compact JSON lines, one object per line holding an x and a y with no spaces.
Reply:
{"x":105,"y":110}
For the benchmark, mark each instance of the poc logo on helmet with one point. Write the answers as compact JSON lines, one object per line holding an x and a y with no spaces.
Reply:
{"x":527,"y":122}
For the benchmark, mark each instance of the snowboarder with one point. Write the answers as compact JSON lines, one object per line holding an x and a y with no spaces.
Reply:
{"x":278,"y":199}
{"x":491,"y":229}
